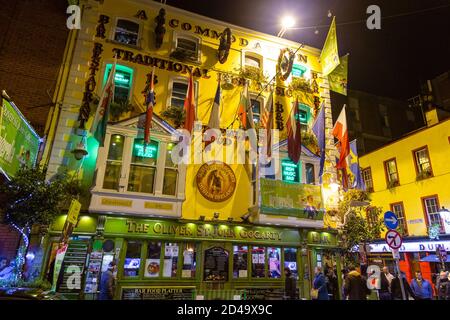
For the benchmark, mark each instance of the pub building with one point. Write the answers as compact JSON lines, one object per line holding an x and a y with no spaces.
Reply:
{"x":173,"y":233}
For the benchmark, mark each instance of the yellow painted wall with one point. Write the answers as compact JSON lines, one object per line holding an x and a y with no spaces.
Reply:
{"x":410,"y":191}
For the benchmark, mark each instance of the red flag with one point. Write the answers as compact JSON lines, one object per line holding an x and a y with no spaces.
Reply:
{"x":294,"y":134}
{"x":341,"y":133}
{"x":150,"y":102}
{"x":189,"y":106}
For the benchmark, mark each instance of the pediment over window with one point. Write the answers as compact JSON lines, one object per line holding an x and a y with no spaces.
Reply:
{"x":283,"y":148}
{"x":138,"y":122}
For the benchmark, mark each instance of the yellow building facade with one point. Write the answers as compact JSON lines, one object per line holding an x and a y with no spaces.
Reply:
{"x":159,"y":219}
{"x":417,"y":170}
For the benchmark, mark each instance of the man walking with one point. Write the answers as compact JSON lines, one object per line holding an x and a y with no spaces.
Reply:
{"x":107,"y":283}
{"x":385,"y":285}
{"x":355,"y":287}
{"x":421,"y":287}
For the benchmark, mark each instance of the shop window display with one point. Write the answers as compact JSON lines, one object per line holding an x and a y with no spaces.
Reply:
{"x":274,"y":255}
{"x":258,"y":262}
{"x":133,"y":259}
{"x":152,"y":263}
{"x":290,"y":260}
{"x":189,"y":261}
{"x":240,"y":263}
{"x":170,"y":260}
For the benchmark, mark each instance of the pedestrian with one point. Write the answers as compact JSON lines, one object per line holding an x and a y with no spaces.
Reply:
{"x":320,"y":284}
{"x":355,"y":286}
{"x":385,"y":284}
{"x":396,"y":290}
{"x":107,"y":283}
{"x":290,"y":285}
{"x":332,"y":284}
{"x":344,"y":279}
{"x":443,"y":286}
{"x":421,"y":287}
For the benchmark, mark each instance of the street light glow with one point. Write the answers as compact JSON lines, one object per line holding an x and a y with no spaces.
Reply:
{"x":287,"y":22}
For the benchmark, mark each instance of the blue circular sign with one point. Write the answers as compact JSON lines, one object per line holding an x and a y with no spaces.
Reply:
{"x":390,"y":220}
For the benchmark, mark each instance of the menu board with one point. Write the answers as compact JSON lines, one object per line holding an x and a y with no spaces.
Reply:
{"x":216,"y":264}
{"x":158,"y":293}
{"x":263,"y":294}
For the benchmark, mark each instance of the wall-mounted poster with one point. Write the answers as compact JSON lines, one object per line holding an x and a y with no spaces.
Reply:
{"x":298,"y":200}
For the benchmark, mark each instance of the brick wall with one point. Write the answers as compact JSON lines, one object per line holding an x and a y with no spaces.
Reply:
{"x":9,"y":241}
{"x":32,"y":45}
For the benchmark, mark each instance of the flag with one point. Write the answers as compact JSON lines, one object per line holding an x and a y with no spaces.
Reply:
{"x":267,"y":123}
{"x":319,"y":130}
{"x":245,"y":111}
{"x":339,"y":77}
{"x":149,"y":102}
{"x":356,"y":179}
{"x":214,"y":117}
{"x":329,"y":57}
{"x":189,"y":105}
{"x":293,"y":128}
{"x":98,"y":128}
{"x":340,"y":132}
{"x":342,"y":176}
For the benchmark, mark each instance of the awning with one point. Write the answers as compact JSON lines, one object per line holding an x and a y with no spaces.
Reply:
{"x":431,"y":258}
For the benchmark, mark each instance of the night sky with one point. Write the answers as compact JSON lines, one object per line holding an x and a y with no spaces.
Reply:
{"x":393,"y":61}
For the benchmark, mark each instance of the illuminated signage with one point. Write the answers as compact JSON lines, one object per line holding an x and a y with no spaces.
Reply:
{"x":150,"y":151}
{"x":290,"y":171}
{"x":298,"y":70}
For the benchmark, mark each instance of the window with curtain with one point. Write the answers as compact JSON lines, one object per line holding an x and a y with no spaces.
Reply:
{"x":143,"y":167}
{"x":431,"y":206}
{"x":391,"y":172}
{"x":399,"y":211}
{"x":179,"y":90}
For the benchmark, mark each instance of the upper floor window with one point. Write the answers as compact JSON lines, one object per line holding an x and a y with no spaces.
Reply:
{"x":127,"y":32}
{"x":123,"y":79}
{"x":170,"y":173}
{"x":390,"y":167}
{"x":399,"y":211}
{"x":310,"y":175}
{"x":143,"y":167}
{"x":257,"y":106}
{"x":422,"y":162}
{"x":252,"y":61}
{"x":114,"y":162}
{"x":186,"y":48}
{"x":367,"y":177}
{"x":431,"y":207}
{"x":179,"y":87}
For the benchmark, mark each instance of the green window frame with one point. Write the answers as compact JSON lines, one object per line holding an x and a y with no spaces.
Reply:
{"x":123,"y":80}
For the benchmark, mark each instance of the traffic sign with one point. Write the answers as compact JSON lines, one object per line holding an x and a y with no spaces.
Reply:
{"x":393,"y":239}
{"x":390,"y":220}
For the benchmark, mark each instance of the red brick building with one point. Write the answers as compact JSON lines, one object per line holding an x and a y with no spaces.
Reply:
{"x":32,"y":41}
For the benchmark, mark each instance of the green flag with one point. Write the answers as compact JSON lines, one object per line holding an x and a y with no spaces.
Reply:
{"x":339,"y":77}
{"x":329,"y":57}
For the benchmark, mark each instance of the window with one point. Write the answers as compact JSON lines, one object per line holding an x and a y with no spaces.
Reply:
{"x":122,"y":82}
{"x":290,"y":260}
{"x":431,"y":206}
{"x":390,"y":167}
{"x":179,"y":91}
{"x":251,"y":61}
{"x":170,"y":173}
{"x":132,"y":259}
{"x":274,"y":255}
{"x":114,"y":162}
{"x":399,"y":211}
{"x":189,"y":261}
{"x":367,"y":177}
{"x":170,"y":260}
{"x":143,"y":167}
{"x":240,"y":263}
{"x":422,"y":162}
{"x":152,"y":264}
{"x":186,"y":48}
{"x":127,"y":32}
{"x":310,"y":175}
{"x":258,"y":262}
{"x":256,"y":108}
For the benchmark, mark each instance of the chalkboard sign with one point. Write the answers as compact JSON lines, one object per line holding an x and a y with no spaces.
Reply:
{"x":216,"y":264}
{"x":263,"y":293}
{"x":158,"y":293}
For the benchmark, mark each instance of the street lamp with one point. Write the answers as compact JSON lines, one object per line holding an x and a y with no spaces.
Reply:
{"x":286,"y":23}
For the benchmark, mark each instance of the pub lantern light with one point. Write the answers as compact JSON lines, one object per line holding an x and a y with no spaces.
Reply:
{"x":80,"y":150}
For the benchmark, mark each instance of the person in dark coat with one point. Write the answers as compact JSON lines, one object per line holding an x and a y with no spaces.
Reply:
{"x":396,"y":289}
{"x":443,"y":286}
{"x":320,"y":283}
{"x":385,"y":285}
{"x":332,"y":284}
{"x":107,"y":283}
{"x":355,"y":287}
{"x":290,"y":285}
